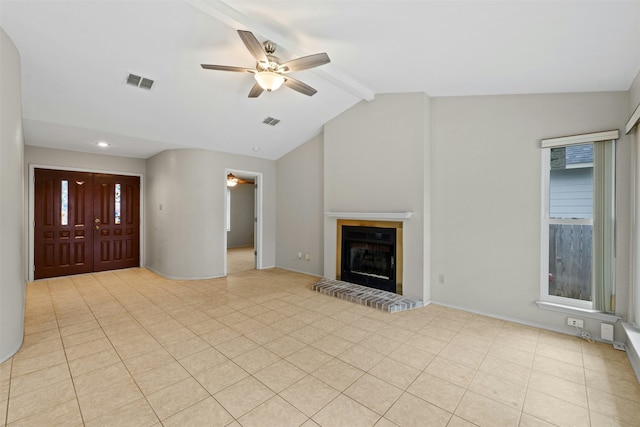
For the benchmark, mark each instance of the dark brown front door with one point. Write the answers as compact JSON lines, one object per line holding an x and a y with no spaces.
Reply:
{"x":85,"y":222}
{"x":116,"y":212}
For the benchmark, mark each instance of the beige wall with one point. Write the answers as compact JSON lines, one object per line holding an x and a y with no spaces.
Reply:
{"x":300,"y":208}
{"x":185,"y":206}
{"x":12,"y":271}
{"x":486,"y":201}
{"x":374,"y":161}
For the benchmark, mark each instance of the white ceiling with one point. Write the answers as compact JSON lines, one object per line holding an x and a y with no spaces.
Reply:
{"x":77,"y":54}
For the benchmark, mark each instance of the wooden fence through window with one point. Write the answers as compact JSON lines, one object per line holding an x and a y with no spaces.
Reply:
{"x":570,"y":259}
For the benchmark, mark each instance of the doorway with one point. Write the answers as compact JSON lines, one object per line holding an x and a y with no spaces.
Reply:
{"x":243,"y":222}
{"x":85,"y":222}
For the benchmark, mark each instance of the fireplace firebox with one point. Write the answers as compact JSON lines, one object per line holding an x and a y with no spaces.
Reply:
{"x":369,"y":257}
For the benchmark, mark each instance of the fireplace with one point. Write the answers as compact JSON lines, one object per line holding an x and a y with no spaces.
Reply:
{"x":370,"y":254}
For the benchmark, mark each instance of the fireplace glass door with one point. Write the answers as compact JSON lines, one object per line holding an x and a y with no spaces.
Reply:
{"x":369,"y":257}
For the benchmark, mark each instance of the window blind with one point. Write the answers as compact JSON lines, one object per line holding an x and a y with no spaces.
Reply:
{"x":584,"y":138}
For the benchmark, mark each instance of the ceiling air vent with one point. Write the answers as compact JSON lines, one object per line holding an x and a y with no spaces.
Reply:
{"x":271,"y":121}
{"x":146,"y":83}
{"x":138,"y":81}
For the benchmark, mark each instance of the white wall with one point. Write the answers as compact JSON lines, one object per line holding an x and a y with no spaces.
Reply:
{"x":374,"y":161}
{"x":486,"y":201}
{"x":242,"y":203}
{"x":634,"y":94}
{"x":300,"y":208}
{"x":12,"y":272}
{"x":482,"y":188}
{"x":633,"y":341}
{"x":185,"y":206}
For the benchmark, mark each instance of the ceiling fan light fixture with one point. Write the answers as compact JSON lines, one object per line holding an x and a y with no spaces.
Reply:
{"x":268,"y":80}
{"x":232,"y":181}
{"x":269,"y":71}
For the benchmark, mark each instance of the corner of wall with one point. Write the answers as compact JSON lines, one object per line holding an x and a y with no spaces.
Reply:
{"x":633,"y":347}
{"x":300,"y":213}
{"x":12,"y":226}
{"x":634,"y":93}
{"x":427,"y":184}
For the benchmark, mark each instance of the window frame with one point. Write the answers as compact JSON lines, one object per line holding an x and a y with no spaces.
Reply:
{"x":546,"y":222}
{"x":547,"y":145}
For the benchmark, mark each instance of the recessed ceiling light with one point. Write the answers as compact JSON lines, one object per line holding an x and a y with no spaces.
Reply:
{"x":256,"y":148}
{"x":103,"y":144}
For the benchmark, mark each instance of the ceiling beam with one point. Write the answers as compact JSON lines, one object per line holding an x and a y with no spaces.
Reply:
{"x":227,"y":15}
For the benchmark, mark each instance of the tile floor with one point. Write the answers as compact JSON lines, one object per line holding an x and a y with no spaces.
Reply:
{"x":260,"y":348}
{"x":239,"y":260}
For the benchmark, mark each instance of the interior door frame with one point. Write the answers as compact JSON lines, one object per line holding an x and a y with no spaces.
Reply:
{"x":31,"y":197}
{"x":257,"y":238}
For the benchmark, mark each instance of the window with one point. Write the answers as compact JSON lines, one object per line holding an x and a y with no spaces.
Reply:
{"x":578,"y":221}
{"x":64,"y":202}
{"x":116,"y":210}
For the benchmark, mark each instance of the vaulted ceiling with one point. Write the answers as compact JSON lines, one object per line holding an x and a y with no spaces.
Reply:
{"x":76,"y":56}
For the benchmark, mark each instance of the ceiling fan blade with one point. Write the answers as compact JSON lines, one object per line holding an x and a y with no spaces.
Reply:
{"x":255,"y":91}
{"x":305,"y":62}
{"x":253,"y":45}
{"x":298,"y":86}
{"x":227,"y":68}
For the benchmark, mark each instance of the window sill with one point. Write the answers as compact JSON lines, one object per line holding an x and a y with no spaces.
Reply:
{"x":633,"y":335}
{"x":584,"y":312}
{"x":633,"y":346}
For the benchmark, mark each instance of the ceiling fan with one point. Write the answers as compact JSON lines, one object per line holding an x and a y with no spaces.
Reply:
{"x":233,"y":180}
{"x":269,"y":73}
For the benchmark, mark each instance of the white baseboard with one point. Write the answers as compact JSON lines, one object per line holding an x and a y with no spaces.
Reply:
{"x":519,"y":321}
{"x":506,"y":318}
{"x":180,"y":278}
{"x":298,"y":271}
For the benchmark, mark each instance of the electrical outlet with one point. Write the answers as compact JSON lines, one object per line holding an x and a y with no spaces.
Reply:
{"x":575,"y":322}
{"x":606,"y":331}
{"x":307,"y":256}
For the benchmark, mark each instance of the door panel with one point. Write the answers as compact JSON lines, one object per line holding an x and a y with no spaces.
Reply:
{"x":85,"y":222}
{"x":117,"y":214}
{"x":63,"y":234}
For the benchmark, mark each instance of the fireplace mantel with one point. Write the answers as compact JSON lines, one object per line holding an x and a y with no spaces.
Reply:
{"x":381,"y":216}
